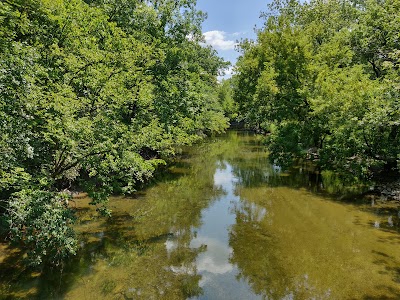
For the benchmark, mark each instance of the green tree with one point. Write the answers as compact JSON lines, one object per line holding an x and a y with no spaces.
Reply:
{"x":322,"y":79}
{"x":95,"y":96}
{"x":225,"y":97}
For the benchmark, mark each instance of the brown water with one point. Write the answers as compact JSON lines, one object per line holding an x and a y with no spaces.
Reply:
{"x":226,"y":224}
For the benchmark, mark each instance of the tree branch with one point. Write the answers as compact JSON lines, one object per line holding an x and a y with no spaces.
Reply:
{"x":77,"y":162}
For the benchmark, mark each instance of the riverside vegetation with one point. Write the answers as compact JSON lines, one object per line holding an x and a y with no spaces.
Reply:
{"x":224,"y":223}
{"x":323,"y":78}
{"x":98,"y":95}
{"x":95,"y":95}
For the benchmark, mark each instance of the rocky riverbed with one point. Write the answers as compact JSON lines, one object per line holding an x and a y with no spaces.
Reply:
{"x":387,"y":190}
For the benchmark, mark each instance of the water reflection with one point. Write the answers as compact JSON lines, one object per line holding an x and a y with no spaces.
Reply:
{"x":310,"y":248}
{"x":218,"y":274}
{"x":226,"y":224}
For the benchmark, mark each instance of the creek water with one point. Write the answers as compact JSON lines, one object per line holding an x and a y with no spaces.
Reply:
{"x":224,"y":223}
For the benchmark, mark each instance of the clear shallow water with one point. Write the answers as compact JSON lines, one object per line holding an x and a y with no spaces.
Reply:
{"x":219,"y":277}
{"x":225,"y":224}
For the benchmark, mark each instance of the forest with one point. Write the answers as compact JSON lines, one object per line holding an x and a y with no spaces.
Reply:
{"x":97,"y":96}
{"x":323,"y":80}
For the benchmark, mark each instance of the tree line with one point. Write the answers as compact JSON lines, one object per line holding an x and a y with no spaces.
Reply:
{"x":323,"y":80}
{"x":95,"y":95}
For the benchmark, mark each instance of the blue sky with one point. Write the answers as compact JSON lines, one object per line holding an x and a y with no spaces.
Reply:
{"x":230,"y":20}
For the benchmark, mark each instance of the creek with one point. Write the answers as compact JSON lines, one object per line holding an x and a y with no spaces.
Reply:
{"x":224,"y":223}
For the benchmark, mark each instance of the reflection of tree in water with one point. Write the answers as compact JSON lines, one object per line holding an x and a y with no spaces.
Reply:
{"x":258,"y":171}
{"x":253,"y":168}
{"x":258,"y":264}
{"x":251,"y":238}
{"x":143,"y":251}
{"x":143,"y":254}
{"x":138,"y":264}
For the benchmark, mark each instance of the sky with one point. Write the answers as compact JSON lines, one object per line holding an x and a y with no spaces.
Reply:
{"x":229,"y":21}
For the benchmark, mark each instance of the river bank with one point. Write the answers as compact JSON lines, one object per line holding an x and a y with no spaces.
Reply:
{"x":191,"y":234}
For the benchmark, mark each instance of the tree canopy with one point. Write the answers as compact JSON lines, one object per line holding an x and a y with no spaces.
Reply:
{"x":95,"y":95}
{"x":322,"y":80}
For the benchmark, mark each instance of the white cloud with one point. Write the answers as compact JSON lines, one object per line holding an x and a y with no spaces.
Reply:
{"x":239,"y":33}
{"x":218,"y":40}
{"x":227,"y":74}
{"x":216,"y":259}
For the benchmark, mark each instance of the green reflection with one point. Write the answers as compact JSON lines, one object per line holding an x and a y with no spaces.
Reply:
{"x":286,"y":239}
{"x":289,"y":243}
{"x":143,"y":251}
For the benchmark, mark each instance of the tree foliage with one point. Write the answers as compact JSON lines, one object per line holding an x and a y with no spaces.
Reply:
{"x":225,"y":97}
{"x":95,"y":95}
{"x":323,"y":80}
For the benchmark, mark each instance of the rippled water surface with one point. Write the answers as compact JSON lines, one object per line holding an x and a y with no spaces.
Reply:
{"x":226,"y":224}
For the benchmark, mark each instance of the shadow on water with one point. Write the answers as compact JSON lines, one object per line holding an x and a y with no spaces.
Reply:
{"x":311,"y":250}
{"x":256,"y":172}
{"x":179,"y":167}
{"x":293,"y":235}
{"x":144,"y":246}
{"x":21,"y":282}
{"x":113,"y":245}
{"x":11,"y":271}
{"x":280,"y":209}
